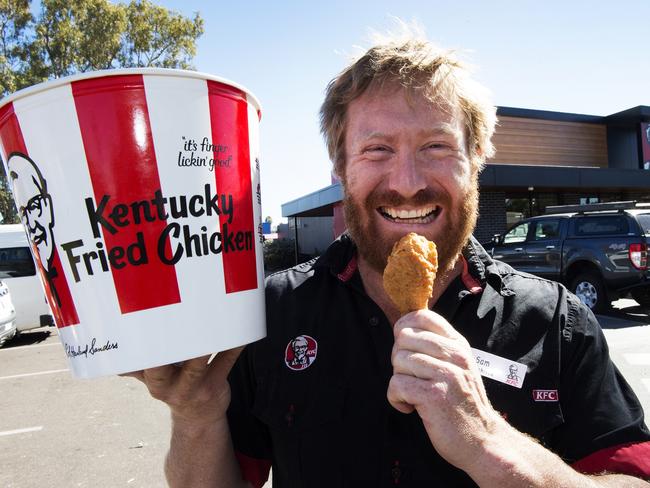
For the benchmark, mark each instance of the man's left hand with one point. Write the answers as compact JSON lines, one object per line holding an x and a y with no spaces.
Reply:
{"x":435,"y":374}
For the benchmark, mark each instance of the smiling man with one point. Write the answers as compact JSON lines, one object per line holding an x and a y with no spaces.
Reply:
{"x":424,"y":399}
{"x":36,"y":212}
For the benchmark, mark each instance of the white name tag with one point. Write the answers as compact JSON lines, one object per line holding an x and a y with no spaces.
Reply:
{"x":500,"y":369}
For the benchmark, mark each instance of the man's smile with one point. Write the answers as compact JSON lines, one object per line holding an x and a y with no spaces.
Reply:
{"x":419,"y":215}
{"x":38,"y":237}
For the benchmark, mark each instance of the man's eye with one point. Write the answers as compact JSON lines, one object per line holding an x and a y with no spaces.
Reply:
{"x":438,"y":146}
{"x":35,"y":205}
{"x":376,"y":149}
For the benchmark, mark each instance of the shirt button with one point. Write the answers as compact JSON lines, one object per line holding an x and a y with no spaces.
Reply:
{"x":374,"y":321}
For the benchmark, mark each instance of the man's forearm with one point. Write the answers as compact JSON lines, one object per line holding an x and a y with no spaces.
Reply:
{"x":202,"y":456}
{"x":516,"y":460}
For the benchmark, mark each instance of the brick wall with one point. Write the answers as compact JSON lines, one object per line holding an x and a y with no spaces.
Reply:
{"x":569,"y":198}
{"x":492,"y":215}
{"x":639,"y":196}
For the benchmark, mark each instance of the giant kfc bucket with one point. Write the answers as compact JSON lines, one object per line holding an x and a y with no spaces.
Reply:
{"x":139,"y":192}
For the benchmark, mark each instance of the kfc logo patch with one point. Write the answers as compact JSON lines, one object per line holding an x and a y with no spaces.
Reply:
{"x":545,"y":396}
{"x":301,"y":352}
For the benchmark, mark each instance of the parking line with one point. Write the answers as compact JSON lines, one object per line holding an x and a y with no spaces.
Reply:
{"x":51,"y":371}
{"x":637,"y":359}
{"x":21,"y":431}
{"x":8,"y":349}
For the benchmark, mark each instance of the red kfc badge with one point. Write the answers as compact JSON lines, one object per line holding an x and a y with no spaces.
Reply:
{"x":300,"y":352}
{"x":545,"y":396}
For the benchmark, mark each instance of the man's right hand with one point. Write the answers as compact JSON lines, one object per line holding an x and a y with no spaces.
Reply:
{"x":196,"y":391}
{"x":198,"y":394}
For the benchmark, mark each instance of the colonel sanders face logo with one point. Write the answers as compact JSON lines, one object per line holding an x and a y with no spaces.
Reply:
{"x":34,"y":204}
{"x":301,"y":352}
{"x":513,"y":372}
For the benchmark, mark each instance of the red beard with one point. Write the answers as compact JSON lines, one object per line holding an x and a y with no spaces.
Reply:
{"x":375,"y":248}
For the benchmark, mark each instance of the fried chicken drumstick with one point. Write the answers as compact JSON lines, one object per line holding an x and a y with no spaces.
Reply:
{"x":410,"y":271}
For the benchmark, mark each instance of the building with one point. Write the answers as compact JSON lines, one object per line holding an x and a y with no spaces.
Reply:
{"x":542,"y":158}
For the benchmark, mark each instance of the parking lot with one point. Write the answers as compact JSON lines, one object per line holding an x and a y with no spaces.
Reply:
{"x":59,"y":432}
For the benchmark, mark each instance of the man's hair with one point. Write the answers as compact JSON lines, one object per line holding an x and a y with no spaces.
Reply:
{"x":418,"y":66}
{"x":31,"y":172}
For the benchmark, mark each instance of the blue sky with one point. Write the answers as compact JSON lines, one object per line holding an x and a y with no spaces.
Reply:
{"x":567,"y":56}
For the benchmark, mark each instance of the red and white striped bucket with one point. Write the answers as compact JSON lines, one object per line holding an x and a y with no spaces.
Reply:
{"x":139,"y":191}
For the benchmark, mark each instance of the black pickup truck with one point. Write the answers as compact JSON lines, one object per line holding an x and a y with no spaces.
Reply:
{"x":599,"y":251}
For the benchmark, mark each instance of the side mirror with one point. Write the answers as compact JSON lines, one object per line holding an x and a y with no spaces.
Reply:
{"x":497,"y":239}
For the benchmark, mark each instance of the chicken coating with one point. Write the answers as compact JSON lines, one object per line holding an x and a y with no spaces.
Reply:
{"x":410,"y":271}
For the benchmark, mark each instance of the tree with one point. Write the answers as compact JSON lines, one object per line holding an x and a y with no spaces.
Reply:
{"x":15,"y":21}
{"x":279,"y":254}
{"x":156,"y":37}
{"x":74,"y":36}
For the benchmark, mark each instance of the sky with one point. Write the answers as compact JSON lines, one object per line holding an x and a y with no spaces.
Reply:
{"x":566,"y":56}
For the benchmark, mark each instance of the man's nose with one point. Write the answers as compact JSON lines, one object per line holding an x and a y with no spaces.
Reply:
{"x":28,"y":221}
{"x":406,"y":176}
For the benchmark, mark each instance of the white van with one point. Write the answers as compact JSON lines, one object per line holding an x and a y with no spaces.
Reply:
{"x":18,"y":272}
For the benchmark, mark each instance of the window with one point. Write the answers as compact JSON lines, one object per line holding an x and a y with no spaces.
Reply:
{"x":516,"y":234}
{"x":15,"y":262}
{"x":644,"y":221}
{"x":588,"y":200}
{"x":605,"y":225}
{"x":521,"y":205}
{"x":517,"y":209}
{"x":546,"y":229}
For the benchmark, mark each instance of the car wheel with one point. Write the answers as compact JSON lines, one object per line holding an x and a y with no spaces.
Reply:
{"x":642,"y":296}
{"x":588,"y":287}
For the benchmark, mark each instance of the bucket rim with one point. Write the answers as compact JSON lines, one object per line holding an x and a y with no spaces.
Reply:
{"x":179,"y":73}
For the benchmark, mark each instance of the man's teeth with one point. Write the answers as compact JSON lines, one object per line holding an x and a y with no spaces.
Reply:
{"x":409,"y":214}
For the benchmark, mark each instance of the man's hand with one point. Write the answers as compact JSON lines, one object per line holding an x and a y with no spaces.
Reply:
{"x":198,"y":394}
{"x":434,"y":373}
{"x":196,"y":391}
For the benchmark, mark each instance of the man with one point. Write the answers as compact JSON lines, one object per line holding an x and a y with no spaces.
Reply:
{"x":36,"y":212}
{"x":392,"y":400}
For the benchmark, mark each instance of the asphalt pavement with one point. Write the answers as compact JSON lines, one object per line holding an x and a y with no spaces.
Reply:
{"x":56,"y":431}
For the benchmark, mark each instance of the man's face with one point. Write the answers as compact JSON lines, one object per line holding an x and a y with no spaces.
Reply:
{"x":37,"y":217}
{"x":406,"y":170}
{"x":35,"y":206}
{"x":300,"y":349}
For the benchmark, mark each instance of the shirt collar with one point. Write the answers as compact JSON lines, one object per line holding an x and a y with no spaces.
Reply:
{"x":478,"y":270}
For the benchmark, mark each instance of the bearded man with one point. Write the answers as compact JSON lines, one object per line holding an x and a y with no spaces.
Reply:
{"x":390,"y":400}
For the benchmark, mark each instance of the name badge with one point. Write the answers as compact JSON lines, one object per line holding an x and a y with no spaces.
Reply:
{"x":500,"y":369}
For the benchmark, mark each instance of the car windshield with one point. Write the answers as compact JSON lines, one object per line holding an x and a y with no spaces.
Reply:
{"x":644,"y":222}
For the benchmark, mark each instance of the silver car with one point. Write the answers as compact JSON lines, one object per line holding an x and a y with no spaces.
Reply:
{"x":7,"y":315}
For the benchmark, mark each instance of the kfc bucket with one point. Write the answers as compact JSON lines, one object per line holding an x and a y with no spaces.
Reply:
{"x":139,"y":191}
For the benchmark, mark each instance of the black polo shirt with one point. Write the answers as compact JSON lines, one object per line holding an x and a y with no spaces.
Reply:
{"x":310,"y":399}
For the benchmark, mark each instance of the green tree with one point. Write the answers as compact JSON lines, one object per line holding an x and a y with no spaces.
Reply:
{"x":279,"y":254}
{"x":15,"y":22}
{"x":74,"y":36}
{"x":78,"y":35}
{"x":156,"y":37}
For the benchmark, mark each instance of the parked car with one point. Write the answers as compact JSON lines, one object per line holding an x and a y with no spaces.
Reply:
{"x":7,"y":315}
{"x":18,"y":272}
{"x":599,"y":251}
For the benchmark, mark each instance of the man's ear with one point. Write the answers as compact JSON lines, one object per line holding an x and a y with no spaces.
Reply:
{"x":47,"y":203}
